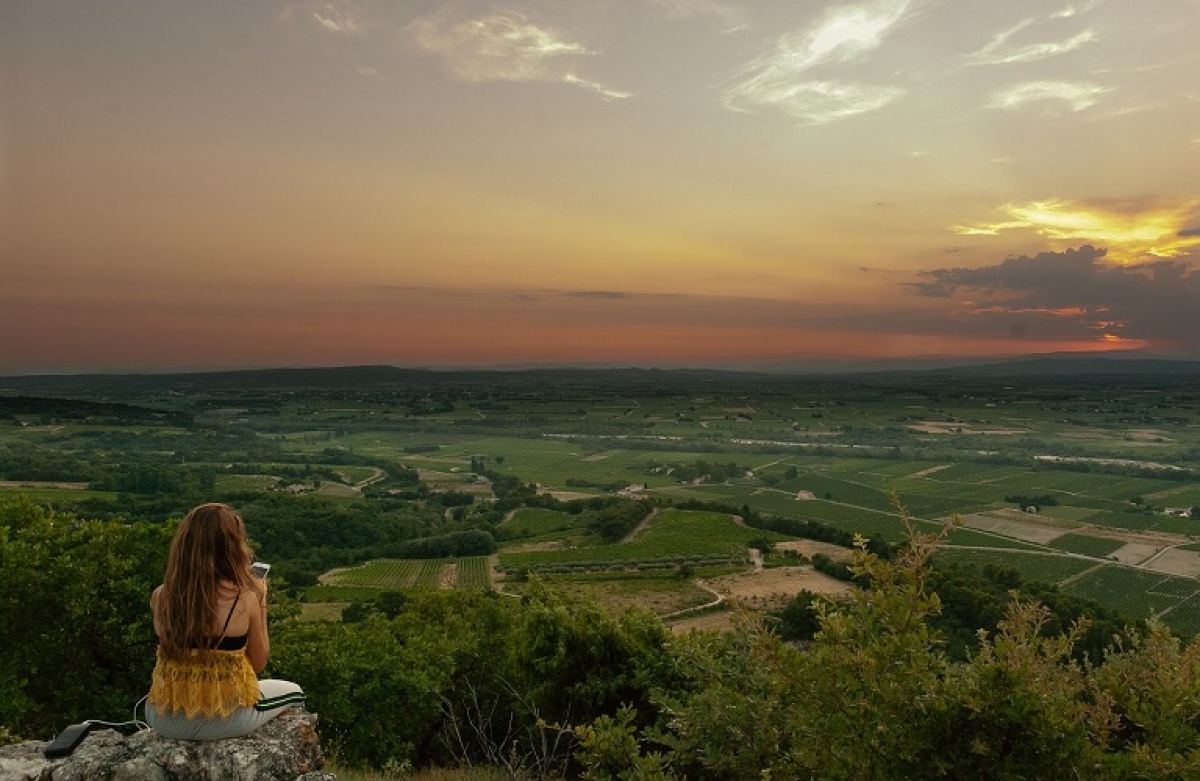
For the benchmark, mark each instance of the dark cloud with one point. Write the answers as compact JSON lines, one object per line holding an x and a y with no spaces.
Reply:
{"x":1045,"y":271}
{"x":610,"y":294}
{"x":1189,"y":232}
{"x":929,"y":289}
{"x":1075,"y":291}
{"x":1053,"y":297}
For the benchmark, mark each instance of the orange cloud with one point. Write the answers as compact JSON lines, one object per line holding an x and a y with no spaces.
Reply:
{"x":1131,"y":234}
{"x":1071,"y":311}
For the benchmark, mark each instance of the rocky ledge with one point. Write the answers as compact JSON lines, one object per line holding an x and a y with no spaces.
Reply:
{"x":285,"y":749}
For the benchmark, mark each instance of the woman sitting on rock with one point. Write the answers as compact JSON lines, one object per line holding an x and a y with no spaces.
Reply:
{"x":210,"y":615}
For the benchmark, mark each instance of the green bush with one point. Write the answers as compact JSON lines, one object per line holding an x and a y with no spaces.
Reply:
{"x":76,"y":637}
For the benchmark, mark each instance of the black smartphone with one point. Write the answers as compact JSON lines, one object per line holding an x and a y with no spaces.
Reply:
{"x":259,"y":569}
{"x":67,"y":740}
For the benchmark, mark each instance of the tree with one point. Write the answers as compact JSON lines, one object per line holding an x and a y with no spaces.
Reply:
{"x":374,"y":682}
{"x":76,"y":637}
{"x":874,"y":697}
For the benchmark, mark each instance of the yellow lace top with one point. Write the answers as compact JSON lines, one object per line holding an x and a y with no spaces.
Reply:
{"x":207,"y":684}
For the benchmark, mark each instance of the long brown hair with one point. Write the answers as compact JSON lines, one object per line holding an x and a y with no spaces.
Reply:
{"x":209,"y":549}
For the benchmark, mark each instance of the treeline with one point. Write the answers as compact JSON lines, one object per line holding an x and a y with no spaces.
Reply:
{"x":835,"y":569}
{"x":141,"y":468}
{"x":687,"y":471}
{"x":1113,"y":467}
{"x":1042,"y":500}
{"x":305,"y":536}
{"x":972,"y":601}
{"x":610,"y":486}
{"x":469,"y":542}
{"x":613,"y":520}
{"x":50,"y":411}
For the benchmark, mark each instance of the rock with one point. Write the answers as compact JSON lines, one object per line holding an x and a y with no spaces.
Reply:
{"x":285,"y":749}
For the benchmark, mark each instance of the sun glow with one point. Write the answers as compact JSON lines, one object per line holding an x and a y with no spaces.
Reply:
{"x":1129,"y":234}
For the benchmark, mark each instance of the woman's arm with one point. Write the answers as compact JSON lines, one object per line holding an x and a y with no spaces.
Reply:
{"x":258,"y":641}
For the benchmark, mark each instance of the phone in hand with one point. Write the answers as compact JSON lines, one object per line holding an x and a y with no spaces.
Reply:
{"x":259,"y":569}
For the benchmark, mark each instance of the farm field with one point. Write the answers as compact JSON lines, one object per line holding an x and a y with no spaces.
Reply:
{"x":1046,"y":567}
{"x":399,"y":455}
{"x":662,"y":593}
{"x":537,"y":524}
{"x":1098,"y":547}
{"x":402,"y":574}
{"x":671,"y":538}
{"x":1140,"y":594}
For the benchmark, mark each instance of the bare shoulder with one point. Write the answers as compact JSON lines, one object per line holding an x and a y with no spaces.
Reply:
{"x":154,"y":596}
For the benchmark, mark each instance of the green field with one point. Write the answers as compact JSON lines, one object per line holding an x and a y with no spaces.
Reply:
{"x":1135,"y":593}
{"x":1044,"y":567}
{"x":58,"y":497}
{"x":236,"y":483}
{"x":661,"y":591}
{"x":355,"y":474}
{"x":1098,"y":547}
{"x":535,"y":524}
{"x":471,"y":572}
{"x":825,"y":449}
{"x":391,"y":574}
{"x":671,"y":537}
{"x":1138,"y":593}
{"x":977,"y":539}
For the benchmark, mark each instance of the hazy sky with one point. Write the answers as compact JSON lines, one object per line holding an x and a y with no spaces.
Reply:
{"x":234,"y":183}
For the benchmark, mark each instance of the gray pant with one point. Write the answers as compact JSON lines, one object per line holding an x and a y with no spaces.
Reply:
{"x":275,"y":696}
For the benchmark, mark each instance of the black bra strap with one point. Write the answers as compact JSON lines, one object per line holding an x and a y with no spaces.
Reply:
{"x":229,"y":617}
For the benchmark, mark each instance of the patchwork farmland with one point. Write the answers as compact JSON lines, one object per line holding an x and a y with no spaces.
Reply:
{"x":1088,"y":485}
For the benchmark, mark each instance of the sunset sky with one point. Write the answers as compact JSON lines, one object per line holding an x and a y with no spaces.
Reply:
{"x":243,"y":183}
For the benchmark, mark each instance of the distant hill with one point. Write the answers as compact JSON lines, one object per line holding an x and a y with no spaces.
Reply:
{"x":1073,"y":365}
{"x":347,"y":378}
{"x":1061,"y":365}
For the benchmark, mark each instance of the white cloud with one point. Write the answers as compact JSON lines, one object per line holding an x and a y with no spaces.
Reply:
{"x":1035,"y":39}
{"x":781,"y":79}
{"x":341,"y":17}
{"x":504,"y":47}
{"x":599,"y":89}
{"x":1074,"y":10}
{"x":731,"y":18}
{"x":819,"y":102}
{"x":846,"y":32}
{"x":1000,"y":52}
{"x":499,"y":47}
{"x":1078,"y":95}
